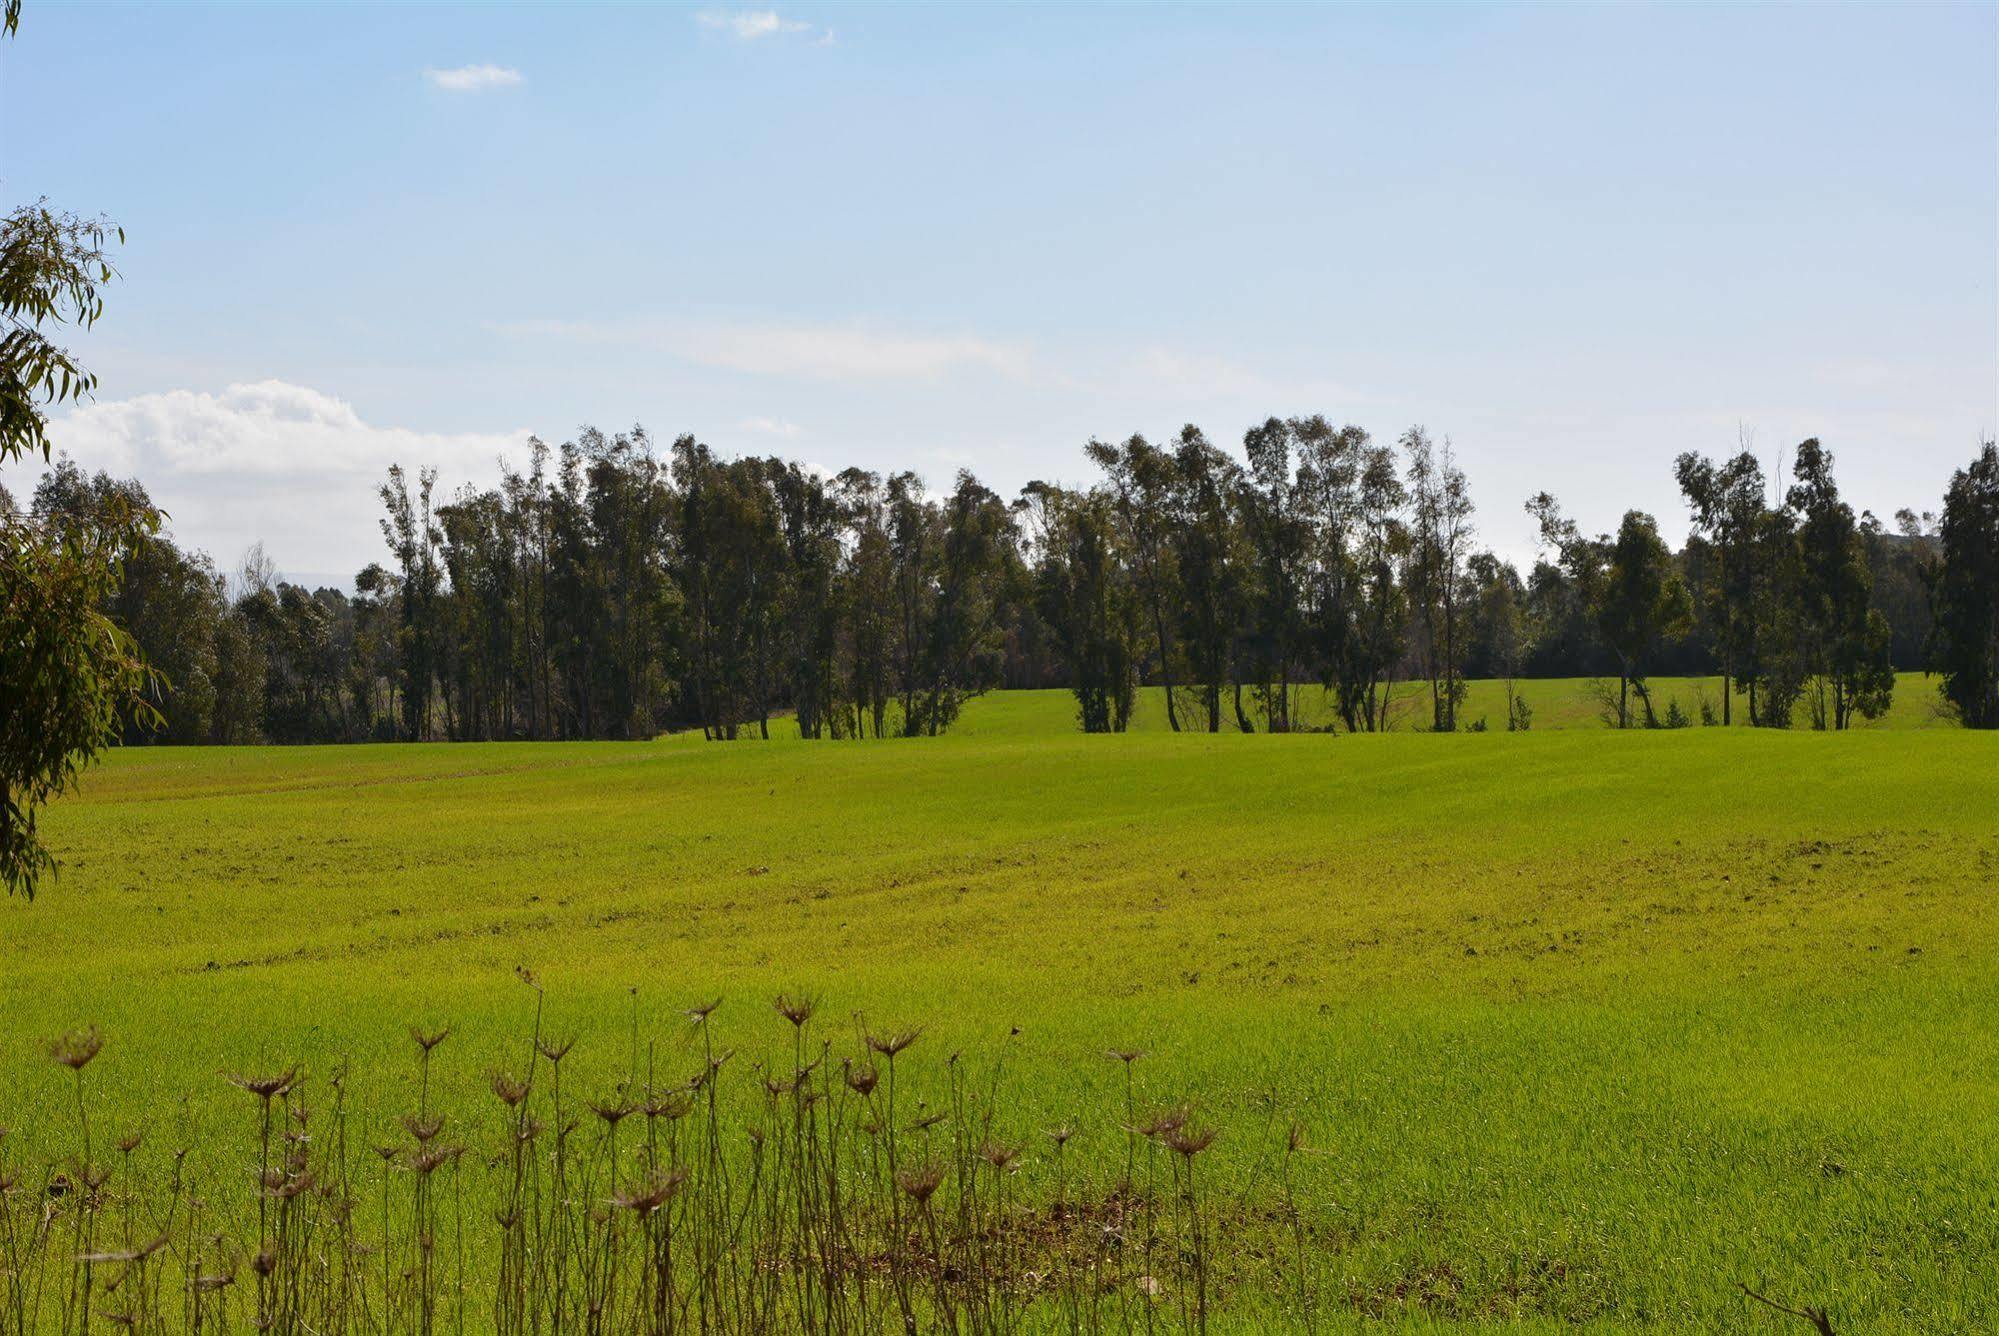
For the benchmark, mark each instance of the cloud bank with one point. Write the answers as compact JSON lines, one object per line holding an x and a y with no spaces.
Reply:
{"x":473,"y":78}
{"x":750,"y":24}
{"x":283,"y":463}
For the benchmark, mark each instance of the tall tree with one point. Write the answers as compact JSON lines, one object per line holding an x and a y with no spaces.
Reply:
{"x":1964,"y":647}
{"x":1142,"y":482}
{"x":1845,"y":638}
{"x":1440,"y":540}
{"x":809,"y":518}
{"x":1207,"y":555}
{"x":1087,"y":597}
{"x":1727,"y":504}
{"x":959,"y":645}
{"x":1278,"y":533}
{"x":1632,"y":589}
{"x":868,"y":600}
{"x":413,"y":537}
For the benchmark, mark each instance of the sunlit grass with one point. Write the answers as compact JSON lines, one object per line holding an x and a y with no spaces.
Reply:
{"x":1581,"y":1026}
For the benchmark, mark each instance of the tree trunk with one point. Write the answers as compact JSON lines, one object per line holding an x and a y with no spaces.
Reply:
{"x":1165,"y":665}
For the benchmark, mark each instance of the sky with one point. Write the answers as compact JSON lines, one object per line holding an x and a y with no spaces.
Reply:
{"x":1575,"y":240}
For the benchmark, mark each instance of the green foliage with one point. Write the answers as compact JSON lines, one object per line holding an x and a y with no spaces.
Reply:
{"x":1842,"y":642}
{"x":70,"y":678}
{"x":1085,"y":594}
{"x":1965,"y":644}
{"x":1631,"y":588}
{"x":52,"y":267}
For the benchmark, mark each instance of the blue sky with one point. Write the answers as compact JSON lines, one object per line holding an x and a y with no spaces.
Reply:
{"x":1576,"y":240}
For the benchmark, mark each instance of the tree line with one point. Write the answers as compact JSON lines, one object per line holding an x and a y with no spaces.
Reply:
{"x":607,"y":589}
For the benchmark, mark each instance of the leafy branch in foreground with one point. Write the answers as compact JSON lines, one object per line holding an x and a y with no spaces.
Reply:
{"x":68,"y":674}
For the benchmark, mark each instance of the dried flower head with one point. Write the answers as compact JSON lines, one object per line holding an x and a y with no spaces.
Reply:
{"x":612,"y":1111}
{"x":999,"y":1155}
{"x":655,"y":1192}
{"x":555,"y":1050}
{"x":920,"y":1181}
{"x":75,"y":1049}
{"x":429,"y":1039}
{"x":700,"y":1013}
{"x":797,"y":1010}
{"x":1060,"y":1135}
{"x":1125,"y":1055}
{"x":891,"y":1044}
{"x":266,"y":1088}
{"x":423,"y":1130}
{"x":1187,"y":1142}
{"x":862,"y":1077}
{"x":506,"y":1089}
{"x":672,"y":1105}
{"x":435,"y":1158}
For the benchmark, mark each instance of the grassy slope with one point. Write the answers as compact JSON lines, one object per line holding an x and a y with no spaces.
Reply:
{"x":1558,"y":703}
{"x":1594,"y":1023}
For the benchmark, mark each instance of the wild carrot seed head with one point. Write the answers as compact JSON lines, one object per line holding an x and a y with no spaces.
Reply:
{"x":76,"y":1048}
{"x":797,"y":1010}
{"x":920,"y":1181}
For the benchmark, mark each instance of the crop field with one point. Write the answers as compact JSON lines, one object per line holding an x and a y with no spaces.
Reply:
{"x":1581,"y":1028}
{"x":1556,"y":703}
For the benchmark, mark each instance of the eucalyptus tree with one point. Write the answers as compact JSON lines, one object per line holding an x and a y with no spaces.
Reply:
{"x":168,"y":600}
{"x":413,"y":536}
{"x":70,"y":677}
{"x":1142,"y":482}
{"x":1632,"y":588}
{"x":959,"y":647}
{"x":1845,"y":640}
{"x":1209,"y":559}
{"x":1085,"y":591}
{"x":1278,"y":535}
{"x":868,"y":600}
{"x":528,"y":529}
{"x":913,"y":540}
{"x":809,"y":520}
{"x":1349,"y":499}
{"x":1964,"y":645}
{"x":1440,"y":540}
{"x":1727,"y":504}
{"x":480,"y":613}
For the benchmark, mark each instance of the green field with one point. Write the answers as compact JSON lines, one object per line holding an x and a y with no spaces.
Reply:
{"x":1557,"y":703}
{"x":1583,"y":1026}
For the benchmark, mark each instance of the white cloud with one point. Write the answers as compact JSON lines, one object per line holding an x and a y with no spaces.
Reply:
{"x":750,"y":24}
{"x":768,"y":426}
{"x":816,"y":352}
{"x":473,"y":78}
{"x":273,"y":461}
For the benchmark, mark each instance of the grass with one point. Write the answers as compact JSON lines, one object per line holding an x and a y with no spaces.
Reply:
{"x":1557,"y":703}
{"x":1582,"y":1027}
